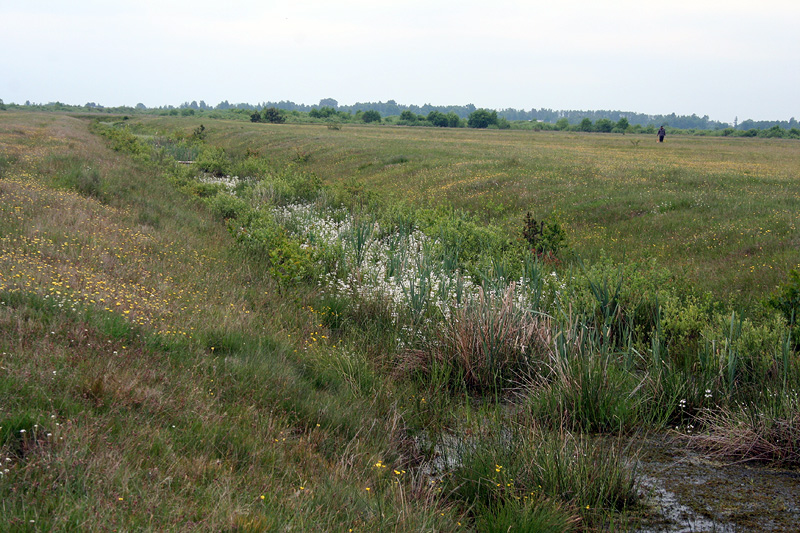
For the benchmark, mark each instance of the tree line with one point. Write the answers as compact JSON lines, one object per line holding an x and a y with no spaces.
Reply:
{"x":444,"y":116}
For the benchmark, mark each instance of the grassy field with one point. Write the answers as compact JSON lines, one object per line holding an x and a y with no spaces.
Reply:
{"x":185,"y":351}
{"x":722,"y":213}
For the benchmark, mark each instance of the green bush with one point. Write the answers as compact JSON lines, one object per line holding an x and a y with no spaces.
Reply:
{"x":545,"y":237}
{"x":228,"y":206}
{"x":787,"y":301}
{"x":482,"y":118}
{"x":214,"y":161}
{"x":371,"y":116}
{"x":273,"y":116}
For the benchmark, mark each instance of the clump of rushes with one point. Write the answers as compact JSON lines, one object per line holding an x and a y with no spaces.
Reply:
{"x":753,"y":433}
{"x":492,"y":341}
{"x":522,"y":466}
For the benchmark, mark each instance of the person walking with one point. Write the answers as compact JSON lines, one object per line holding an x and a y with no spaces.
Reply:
{"x":661,"y":133}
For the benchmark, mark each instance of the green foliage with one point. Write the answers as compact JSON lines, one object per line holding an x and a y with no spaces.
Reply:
{"x":562,"y":124}
{"x":228,"y":206}
{"x":775,"y":132}
{"x":518,"y":464}
{"x":273,"y":116}
{"x":199,"y":134}
{"x":289,"y":262}
{"x":214,"y":161}
{"x":587,"y":392}
{"x":545,"y":237}
{"x":121,"y":139}
{"x":585,"y":125}
{"x":603,"y":125}
{"x":525,"y":514}
{"x":76,"y":173}
{"x":371,"y":116}
{"x":787,"y":301}
{"x":622,"y":125}
{"x":482,"y":118}
{"x":408,"y":116}
{"x":323,"y":112}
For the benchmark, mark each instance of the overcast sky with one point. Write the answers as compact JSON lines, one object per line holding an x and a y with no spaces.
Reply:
{"x":722,"y":58}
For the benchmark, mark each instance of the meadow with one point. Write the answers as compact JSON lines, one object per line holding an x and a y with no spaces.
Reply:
{"x":347,"y":329}
{"x":722,"y":212}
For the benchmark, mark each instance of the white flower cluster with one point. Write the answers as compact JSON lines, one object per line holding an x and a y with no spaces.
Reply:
{"x":401,"y":269}
{"x":229,"y":182}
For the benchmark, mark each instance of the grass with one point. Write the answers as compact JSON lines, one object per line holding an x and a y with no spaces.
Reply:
{"x":291,"y":348}
{"x":721,"y":212}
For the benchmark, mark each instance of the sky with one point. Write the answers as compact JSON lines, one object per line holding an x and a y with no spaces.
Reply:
{"x":723,"y":58}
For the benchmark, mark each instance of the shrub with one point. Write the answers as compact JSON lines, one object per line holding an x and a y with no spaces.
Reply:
{"x":273,"y":116}
{"x":787,"y":301}
{"x":371,"y":116}
{"x":408,"y":116}
{"x":545,"y":237}
{"x":228,"y":206}
{"x":482,"y":118}
{"x":214,"y":161}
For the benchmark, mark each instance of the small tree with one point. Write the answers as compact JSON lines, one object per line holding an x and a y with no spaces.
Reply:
{"x":585,"y":125}
{"x":371,"y":116}
{"x":255,"y":117}
{"x":604,"y":125}
{"x":622,"y":125}
{"x":273,"y":116}
{"x":438,"y":119}
{"x":545,"y":237}
{"x":482,"y":118}
{"x":562,"y":124}
{"x":453,"y":121}
{"x":408,"y":116}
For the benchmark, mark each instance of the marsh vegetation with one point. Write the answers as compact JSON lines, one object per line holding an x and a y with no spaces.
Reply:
{"x":377,"y":328}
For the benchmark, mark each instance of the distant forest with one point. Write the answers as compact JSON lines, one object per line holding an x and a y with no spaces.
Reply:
{"x":551,"y":116}
{"x":392,"y":108}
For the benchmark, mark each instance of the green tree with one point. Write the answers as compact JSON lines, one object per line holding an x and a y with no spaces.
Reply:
{"x":273,"y":116}
{"x":408,"y":116}
{"x":453,"y":120}
{"x":438,"y":119}
{"x":585,"y":125}
{"x":622,"y":125}
{"x":562,"y":124}
{"x":482,"y":118}
{"x":603,"y":125}
{"x":371,"y":116}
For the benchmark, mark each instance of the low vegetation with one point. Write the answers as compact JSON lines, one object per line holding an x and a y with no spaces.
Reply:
{"x":254,"y":340}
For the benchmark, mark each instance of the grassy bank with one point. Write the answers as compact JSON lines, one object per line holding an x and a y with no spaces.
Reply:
{"x":321,"y":343}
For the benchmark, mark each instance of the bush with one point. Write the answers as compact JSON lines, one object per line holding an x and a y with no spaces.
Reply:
{"x":214,"y":161}
{"x":545,"y":237}
{"x":787,"y":301}
{"x":273,"y":116}
{"x":482,"y":118}
{"x":371,"y":116}
{"x":228,"y":206}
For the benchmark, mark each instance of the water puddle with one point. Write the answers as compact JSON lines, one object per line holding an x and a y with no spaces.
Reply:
{"x":687,"y":492}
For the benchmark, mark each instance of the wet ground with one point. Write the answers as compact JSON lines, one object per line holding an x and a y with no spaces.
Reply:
{"x":687,"y":492}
